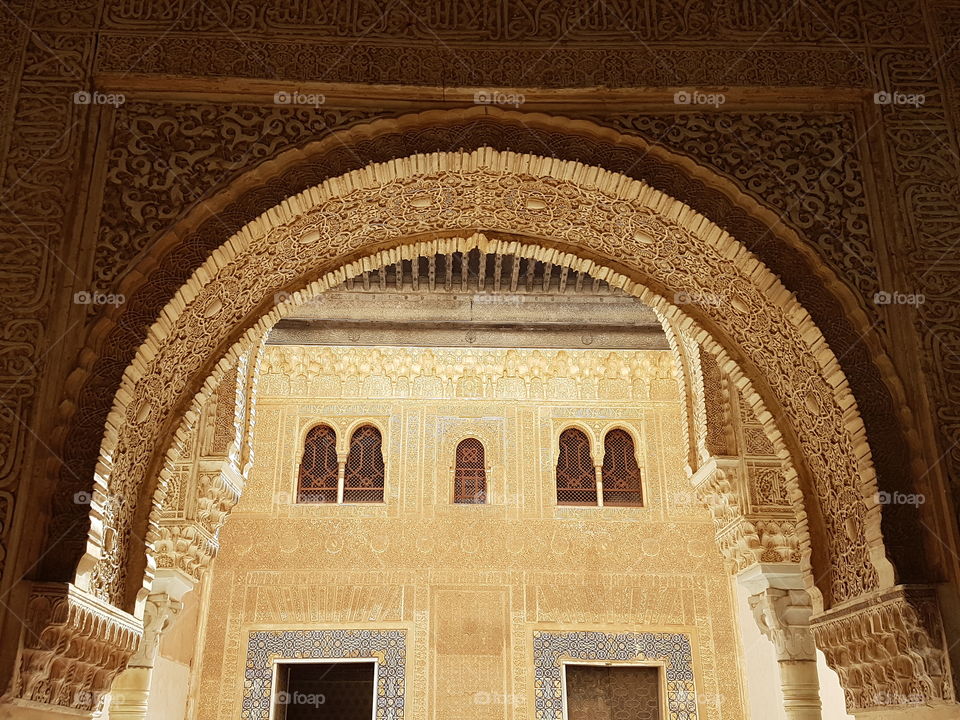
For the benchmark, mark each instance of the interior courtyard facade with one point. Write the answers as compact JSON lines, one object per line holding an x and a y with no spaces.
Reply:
{"x":486,"y":360}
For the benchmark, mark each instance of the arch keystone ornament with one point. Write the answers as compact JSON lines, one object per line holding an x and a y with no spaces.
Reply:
{"x":605,"y":224}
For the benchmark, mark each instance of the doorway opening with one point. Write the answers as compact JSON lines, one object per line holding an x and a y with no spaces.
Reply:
{"x":341,"y":690}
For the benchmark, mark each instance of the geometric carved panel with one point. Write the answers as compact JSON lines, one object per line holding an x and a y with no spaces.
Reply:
{"x":673,"y":650}
{"x":388,"y":647}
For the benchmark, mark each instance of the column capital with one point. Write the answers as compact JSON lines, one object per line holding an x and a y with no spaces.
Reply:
{"x":783,"y":616}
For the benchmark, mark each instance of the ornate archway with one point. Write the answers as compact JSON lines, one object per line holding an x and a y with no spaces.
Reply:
{"x":763,"y":337}
{"x":563,"y":212}
{"x":169,"y":259}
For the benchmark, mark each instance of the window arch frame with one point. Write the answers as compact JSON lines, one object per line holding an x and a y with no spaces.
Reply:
{"x":635,"y":436}
{"x":343,"y":434}
{"x":487,"y":468}
{"x":352,"y":429}
{"x":301,"y":454}
{"x":591,"y":446}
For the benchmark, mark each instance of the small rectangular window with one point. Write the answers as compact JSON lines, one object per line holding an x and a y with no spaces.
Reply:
{"x":327,"y":690}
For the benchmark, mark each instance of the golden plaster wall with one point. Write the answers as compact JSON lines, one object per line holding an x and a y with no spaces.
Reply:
{"x":469,"y":584}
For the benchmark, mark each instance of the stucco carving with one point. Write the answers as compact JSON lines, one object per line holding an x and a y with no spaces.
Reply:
{"x":784,"y":617}
{"x":73,"y":647}
{"x":888,"y":649}
{"x":616,"y":216}
{"x":775,"y":243}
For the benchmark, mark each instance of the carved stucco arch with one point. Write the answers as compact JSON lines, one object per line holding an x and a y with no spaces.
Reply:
{"x":166,"y":263}
{"x":648,"y":242}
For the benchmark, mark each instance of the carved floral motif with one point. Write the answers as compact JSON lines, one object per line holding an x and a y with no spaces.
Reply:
{"x":74,"y":645}
{"x":625,"y":221}
{"x":889,"y":649}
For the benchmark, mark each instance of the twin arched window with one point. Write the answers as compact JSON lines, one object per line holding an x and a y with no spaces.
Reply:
{"x":618,"y":481}
{"x":360,"y":479}
{"x":323,"y":479}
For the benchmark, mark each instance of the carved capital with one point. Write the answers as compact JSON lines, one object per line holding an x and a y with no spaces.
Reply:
{"x":752,"y":539}
{"x":186,"y":547}
{"x":73,"y":646}
{"x":888,"y":649}
{"x":783,"y":616}
{"x":745,"y":538}
{"x":159,"y":614}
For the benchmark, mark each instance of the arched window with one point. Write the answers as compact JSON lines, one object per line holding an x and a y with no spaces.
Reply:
{"x":576,"y":478}
{"x":620,"y":473}
{"x":318,"y":468}
{"x":470,"y":475}
{"x":364,"y":471}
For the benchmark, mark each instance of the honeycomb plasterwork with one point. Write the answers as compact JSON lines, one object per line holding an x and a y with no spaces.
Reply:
{"x":888,"y":649}
{"x":73,"y":647}
{"x":626,"y":219}
{"x":464,"y":373}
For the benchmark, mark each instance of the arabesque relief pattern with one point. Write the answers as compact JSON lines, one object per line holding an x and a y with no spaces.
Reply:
{"x":485,"y":594}
{"x":829,"y":169}
{"x":619,"y":226}
{"x":872,"y":46}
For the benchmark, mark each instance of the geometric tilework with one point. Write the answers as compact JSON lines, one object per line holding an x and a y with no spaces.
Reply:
{"x":550,"y":649}
{"x":389,"y":647}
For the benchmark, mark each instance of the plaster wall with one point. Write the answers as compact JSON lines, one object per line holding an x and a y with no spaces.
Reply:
{"x":469,"y":584}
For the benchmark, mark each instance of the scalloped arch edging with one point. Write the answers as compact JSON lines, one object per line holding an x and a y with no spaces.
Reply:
{"x":570,"y":211}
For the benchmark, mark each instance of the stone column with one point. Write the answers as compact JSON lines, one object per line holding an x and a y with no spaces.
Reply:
{"x":782,"y":609}
{"x":130,"y":693}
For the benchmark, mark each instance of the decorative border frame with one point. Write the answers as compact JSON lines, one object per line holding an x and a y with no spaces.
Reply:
{"x":551,"y":650}
{"x":264,"y":648}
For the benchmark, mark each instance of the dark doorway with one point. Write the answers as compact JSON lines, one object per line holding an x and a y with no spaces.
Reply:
{"x":617,"y":692}
{"x":324,"y":691}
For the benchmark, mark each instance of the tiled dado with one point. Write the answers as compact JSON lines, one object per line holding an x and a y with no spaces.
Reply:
{"x":388,"y":647}
{"x":550,"y":651}
{"x":672,"y":650}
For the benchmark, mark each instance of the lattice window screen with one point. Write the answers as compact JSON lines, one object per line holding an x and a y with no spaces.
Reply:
{"x":620,"y":473}
{"x":364,"y":471}
{"x":576,"y":479}
{"x":318,"y":468}
{"x":470,"y":475}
